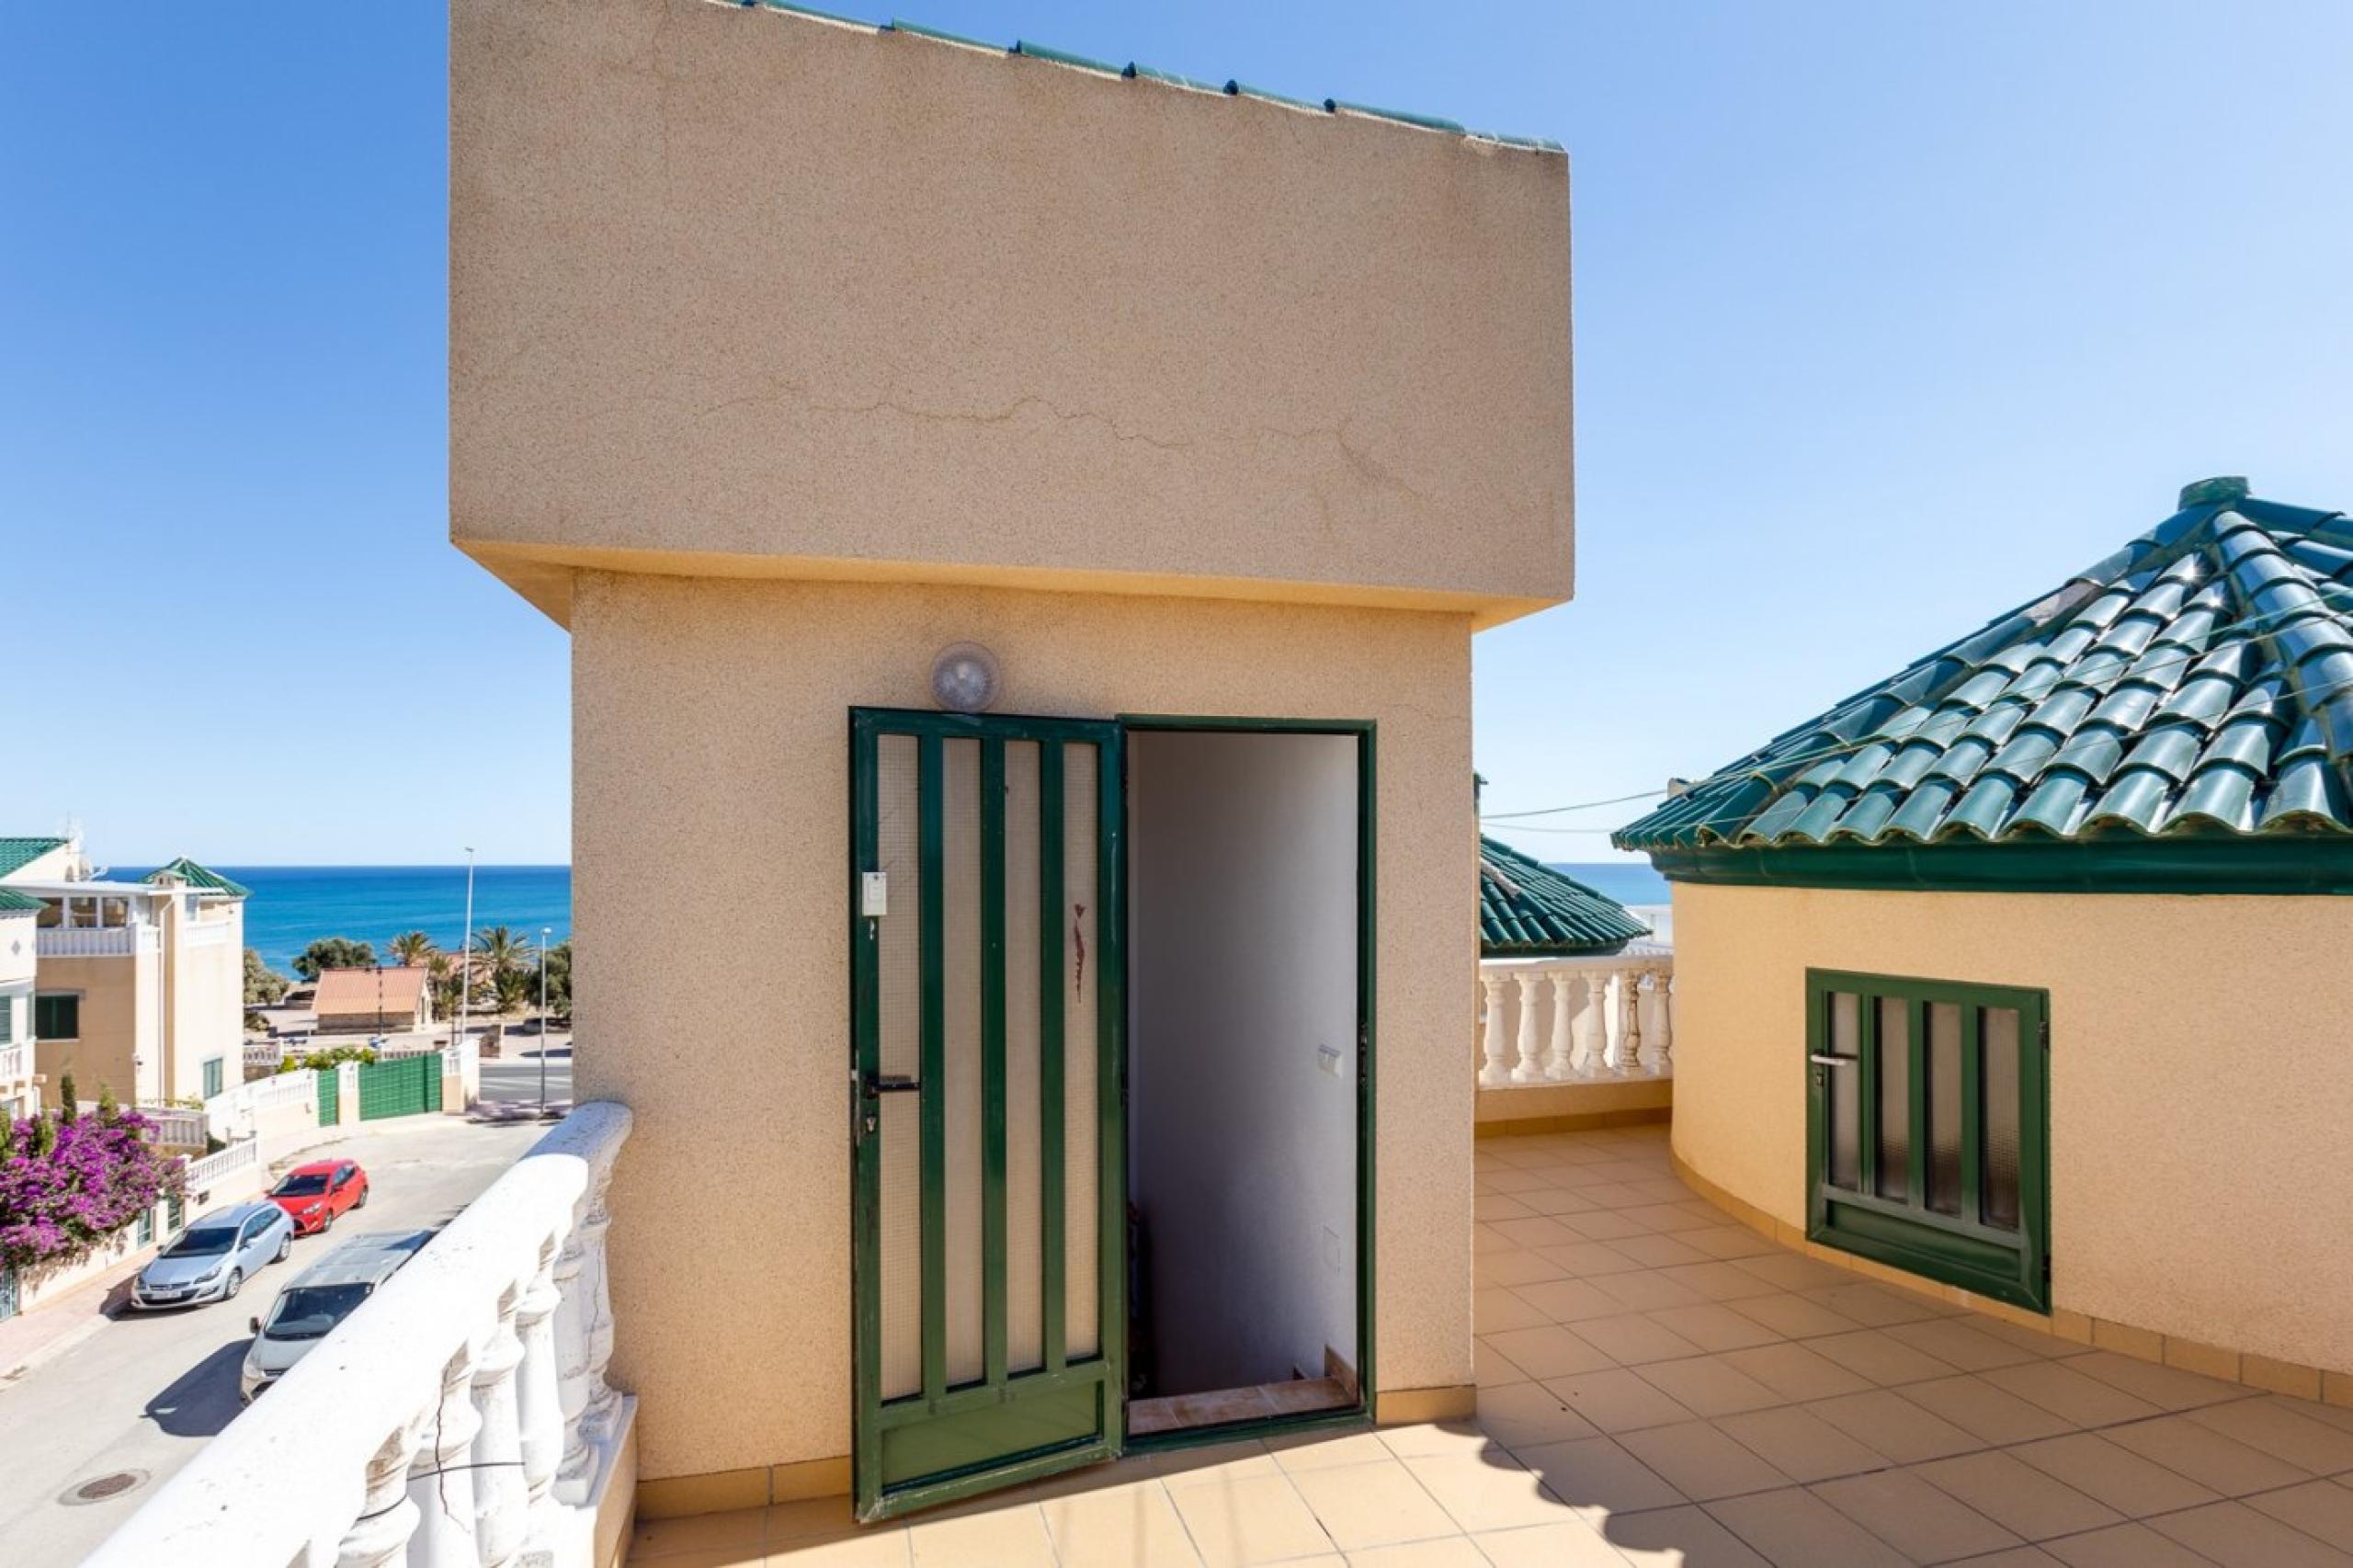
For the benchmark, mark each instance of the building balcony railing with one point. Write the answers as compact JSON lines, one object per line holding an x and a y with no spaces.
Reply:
{"x":211,"y":933}
{"x":93,"y":941}
{"x":460,"y":1416}
{"x":16,"y":1064}
{"x":1569,"y":1020}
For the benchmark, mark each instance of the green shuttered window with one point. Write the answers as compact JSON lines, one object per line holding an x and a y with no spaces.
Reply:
{"x":1927,"y":1129}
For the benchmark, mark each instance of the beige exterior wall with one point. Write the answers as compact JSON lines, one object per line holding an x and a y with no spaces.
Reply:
{"x":711,"y":842}
{"x":206,"y":1011}
{"x":737,"y":293}
{"x":119,"y":1025}
{"x":2202,"y":1082}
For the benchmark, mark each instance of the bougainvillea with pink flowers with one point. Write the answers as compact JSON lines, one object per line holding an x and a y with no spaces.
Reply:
{"x":66,"y":1185}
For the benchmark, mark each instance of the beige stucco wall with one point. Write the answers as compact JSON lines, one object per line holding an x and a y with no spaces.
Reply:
{"x":117,"y":1025}
{"x":2201,"y":1084}
{"x":710,"y":847}
{"x":739,"y":292}
{"x":206,"y":1000}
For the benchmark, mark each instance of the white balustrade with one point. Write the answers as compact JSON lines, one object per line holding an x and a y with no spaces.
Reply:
{"x":15,"y":1061}
{"x":214,"y":933}
{"x":1573,"y":1020}
{"x":176,"y":1125}
{"x":93,"y":942}
{"x":460,"y":1418}
{"x":214,"y":1169}
{"x":263,"y":1054}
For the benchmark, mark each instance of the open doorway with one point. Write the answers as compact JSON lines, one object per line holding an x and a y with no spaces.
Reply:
{"x":1248,"y":901}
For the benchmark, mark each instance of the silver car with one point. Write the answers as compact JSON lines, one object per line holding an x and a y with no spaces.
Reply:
{"x":320,"y":1296}
{"x":214,"y":1257}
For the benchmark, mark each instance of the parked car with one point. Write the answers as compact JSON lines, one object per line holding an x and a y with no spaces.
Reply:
{"x":214,"y":1257}
{"x":320,"y":1296}
{"x":315,"y":1194}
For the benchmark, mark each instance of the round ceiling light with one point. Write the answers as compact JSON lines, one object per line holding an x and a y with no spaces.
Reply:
{"x":965,"y":678}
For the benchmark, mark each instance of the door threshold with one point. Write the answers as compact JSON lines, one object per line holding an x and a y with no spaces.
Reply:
{"x":1183,"y":1420}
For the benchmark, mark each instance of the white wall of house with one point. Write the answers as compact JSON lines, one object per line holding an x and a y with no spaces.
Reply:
{"x":1243,"y":1050}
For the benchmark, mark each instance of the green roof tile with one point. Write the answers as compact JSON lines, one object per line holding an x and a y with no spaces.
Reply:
{"x":16,"y":854}
{"x":2195,"y":686}
{"x":1529,"y":910}
{"x":14,"y":902}
{"x":198,"y":877}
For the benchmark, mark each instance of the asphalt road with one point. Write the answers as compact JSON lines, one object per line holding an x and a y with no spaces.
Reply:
{"x":143,"y":1392}
{"x":515,"y":1080}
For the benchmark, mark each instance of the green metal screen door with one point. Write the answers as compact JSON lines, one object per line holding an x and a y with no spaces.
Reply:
{"x":985,"y":1112}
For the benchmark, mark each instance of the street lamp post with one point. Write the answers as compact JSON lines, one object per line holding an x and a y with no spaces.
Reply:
{"x":465,"y":958}
{"x":546,"y":932}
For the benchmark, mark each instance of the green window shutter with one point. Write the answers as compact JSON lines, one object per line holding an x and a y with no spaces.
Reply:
{"x":1928,"y":1128}
{"x":213,"y":1077}
{"x":57,"y":1016}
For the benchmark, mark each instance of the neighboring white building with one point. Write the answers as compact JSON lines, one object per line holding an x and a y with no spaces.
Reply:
{"x":20,"y":1093}
{"x":138,"y":986}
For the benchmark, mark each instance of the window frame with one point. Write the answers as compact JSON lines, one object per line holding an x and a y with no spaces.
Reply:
{"x":55,"y":998}
{"x":2007,"y":1266}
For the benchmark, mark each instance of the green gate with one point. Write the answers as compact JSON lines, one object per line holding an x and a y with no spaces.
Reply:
{"x":405,"y":1087}
{"x":330,"y":1096}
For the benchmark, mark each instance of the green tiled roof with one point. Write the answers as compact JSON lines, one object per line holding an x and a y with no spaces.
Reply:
{"x":2195,"y":689}
{"x":198,"y":877}
{"x":16,"y":854}
{"x":1527,"y":909}
{"x":14,"y":902}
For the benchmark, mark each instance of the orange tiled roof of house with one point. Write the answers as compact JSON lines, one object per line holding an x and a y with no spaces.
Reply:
{"x":393,"y":989}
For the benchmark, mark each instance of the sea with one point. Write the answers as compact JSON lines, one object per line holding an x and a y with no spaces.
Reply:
{"x":293,"y":906}
{"x":1628,"y":881}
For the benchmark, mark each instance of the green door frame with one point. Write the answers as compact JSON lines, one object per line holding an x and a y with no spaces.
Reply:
{"x":1366,"y":730}
{"x":988,"y":1414}
{"x":2008,"y":1266}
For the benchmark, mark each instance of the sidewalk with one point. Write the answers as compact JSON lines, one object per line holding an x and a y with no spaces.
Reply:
{"x":32,"y":1337}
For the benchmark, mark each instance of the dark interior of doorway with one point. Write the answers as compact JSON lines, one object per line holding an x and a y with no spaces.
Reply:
{"x":1244,"y":1107}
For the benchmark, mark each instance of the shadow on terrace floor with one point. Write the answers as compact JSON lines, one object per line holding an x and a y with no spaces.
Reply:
{"x":1661,"y":1386}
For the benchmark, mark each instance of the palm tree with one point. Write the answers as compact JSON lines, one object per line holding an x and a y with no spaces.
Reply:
{"x":413,"y":948}
{"x":502,"y":951}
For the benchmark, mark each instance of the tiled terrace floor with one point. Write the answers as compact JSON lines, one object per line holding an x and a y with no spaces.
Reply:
{"x":1659,"y":1386}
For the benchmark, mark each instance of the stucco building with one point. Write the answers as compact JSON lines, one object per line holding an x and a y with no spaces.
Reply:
{"x":138,"y":985}
{"x":1021,"y":524}
{"x":377,"y":1000}
{"x":2022,"y":970}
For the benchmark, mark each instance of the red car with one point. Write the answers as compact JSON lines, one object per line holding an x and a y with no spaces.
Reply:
{"x":315,"y":1194}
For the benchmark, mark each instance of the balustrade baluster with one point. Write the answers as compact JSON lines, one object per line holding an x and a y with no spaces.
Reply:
{"x":499,"y":1499}
{"x":1627,"y":1060}
{"x":1495,"y":1073}
{"x":538,"y":1399}
{"x":440,"y":1480}
{"x":1561,"y":1048}
{"x":584,"y":1342}
{"x":387,"y":1516}
{"x":1594,"y":1036}
{"x":1530,"y":1069}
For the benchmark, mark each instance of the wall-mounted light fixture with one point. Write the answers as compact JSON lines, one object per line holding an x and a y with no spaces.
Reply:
{"x":965,"y":678}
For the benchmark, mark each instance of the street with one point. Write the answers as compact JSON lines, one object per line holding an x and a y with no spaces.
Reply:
{"x":141,"y":1393}
{"x":514,"y":1078}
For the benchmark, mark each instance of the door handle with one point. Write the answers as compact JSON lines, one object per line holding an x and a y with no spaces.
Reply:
{"x":877,"y":1088}
{"x":1821,"y":1061}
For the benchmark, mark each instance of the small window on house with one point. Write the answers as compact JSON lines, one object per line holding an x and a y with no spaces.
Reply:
{"x":8,"y":1020}
{"x":58,"y":1016}
{"x":1925,"y":1129}
{"x":214,"y":1078}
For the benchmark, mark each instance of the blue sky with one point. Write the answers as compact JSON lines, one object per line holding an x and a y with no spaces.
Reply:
{"x":1887,"y":318}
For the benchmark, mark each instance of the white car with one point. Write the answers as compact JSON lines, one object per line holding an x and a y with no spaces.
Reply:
{"x":214,"y":1257}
